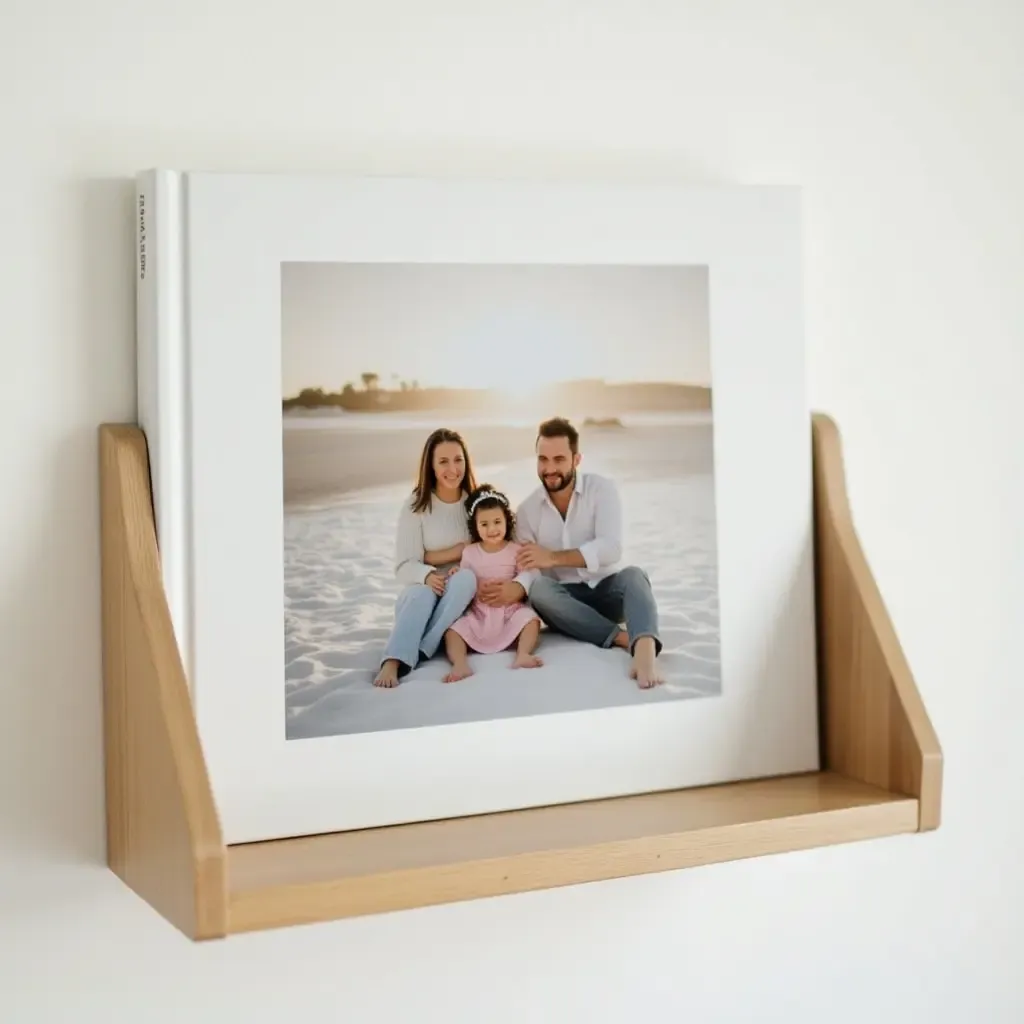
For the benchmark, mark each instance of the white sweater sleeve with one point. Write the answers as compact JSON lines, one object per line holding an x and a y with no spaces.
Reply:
{"x":409,"y":548}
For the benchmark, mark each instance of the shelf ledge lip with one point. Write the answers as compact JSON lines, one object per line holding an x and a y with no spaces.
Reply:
{"x":279,"y":883}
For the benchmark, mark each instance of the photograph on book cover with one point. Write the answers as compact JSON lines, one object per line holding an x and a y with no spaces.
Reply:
{"x":489,"y":469}
{"x":474,"y":496}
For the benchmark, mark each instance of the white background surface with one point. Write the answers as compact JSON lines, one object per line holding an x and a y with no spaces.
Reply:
{"x":903,"y":121}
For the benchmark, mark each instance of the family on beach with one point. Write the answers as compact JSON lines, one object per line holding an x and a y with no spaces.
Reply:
{"x":480,"y":577}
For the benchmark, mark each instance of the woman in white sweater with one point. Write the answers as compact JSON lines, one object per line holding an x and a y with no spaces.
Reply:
{"x":432,"y":531}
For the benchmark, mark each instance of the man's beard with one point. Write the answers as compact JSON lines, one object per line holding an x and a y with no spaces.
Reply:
{"x":563,"y":480}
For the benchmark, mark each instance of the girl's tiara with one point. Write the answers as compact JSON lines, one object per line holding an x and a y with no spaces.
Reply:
{"x":488,"y":494}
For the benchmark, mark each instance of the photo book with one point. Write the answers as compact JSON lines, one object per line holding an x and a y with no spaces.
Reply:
{"x":475,"y":496}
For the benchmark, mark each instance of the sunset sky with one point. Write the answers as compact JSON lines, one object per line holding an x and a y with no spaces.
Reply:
{"x":491,"y":326}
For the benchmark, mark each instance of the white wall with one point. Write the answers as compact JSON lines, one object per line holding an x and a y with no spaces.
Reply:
{"x":903,"y":121}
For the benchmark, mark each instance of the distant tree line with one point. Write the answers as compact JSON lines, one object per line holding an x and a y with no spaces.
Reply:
{"x":349,"y":397}
{"x":407,"y":395}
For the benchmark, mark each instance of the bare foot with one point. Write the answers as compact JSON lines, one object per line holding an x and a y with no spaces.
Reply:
{"x":645,"y":669}
{"x":460,"y":670}
{"x":527,"y":661}
{"x":388,"y":674}
{"x":621,"y":640}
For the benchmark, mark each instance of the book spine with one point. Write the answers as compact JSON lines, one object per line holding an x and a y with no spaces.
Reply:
{"x":161,"y":361}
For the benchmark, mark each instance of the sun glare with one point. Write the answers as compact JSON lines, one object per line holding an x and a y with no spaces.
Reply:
{"x":517,"y":382}
{"x":520,"y":389}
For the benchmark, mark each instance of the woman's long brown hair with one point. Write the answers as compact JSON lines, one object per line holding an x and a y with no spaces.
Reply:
{"x":427,"y":479}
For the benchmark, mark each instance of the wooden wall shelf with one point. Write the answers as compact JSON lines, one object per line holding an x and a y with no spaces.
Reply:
{"x":882,"y":762}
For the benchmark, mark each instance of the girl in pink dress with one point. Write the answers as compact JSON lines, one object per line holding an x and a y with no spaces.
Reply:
{"x":484,"y":628}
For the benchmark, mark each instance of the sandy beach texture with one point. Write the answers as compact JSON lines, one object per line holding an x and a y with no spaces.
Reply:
{"x":344,"y":482}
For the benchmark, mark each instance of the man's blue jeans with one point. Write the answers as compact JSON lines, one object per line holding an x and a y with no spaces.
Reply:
{"x":594,"y":614}
{"x":422,"y":618}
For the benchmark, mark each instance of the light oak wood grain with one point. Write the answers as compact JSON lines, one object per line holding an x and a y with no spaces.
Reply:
{"x":874,"y":724}
{"x":163,"y":834}
{"x":882,"y":769}
{"x":320,"y":878}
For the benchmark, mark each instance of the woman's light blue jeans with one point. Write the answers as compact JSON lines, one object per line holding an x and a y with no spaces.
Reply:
{"x":422,"y":618}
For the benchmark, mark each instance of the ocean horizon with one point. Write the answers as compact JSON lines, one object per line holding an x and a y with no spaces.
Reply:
{"x":341,"y":419}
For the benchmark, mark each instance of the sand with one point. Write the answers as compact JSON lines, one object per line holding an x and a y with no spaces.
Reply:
{"x":343,"y":493}
{"x":327,"y":456}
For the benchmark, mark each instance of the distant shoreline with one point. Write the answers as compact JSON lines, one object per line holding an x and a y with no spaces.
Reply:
{"x":344,"y":420}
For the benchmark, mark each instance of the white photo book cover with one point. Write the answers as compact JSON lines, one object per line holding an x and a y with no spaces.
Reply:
{"x":475,"y":496}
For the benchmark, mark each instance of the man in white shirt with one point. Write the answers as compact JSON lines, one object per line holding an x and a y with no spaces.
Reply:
{"x":571,"y":531}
